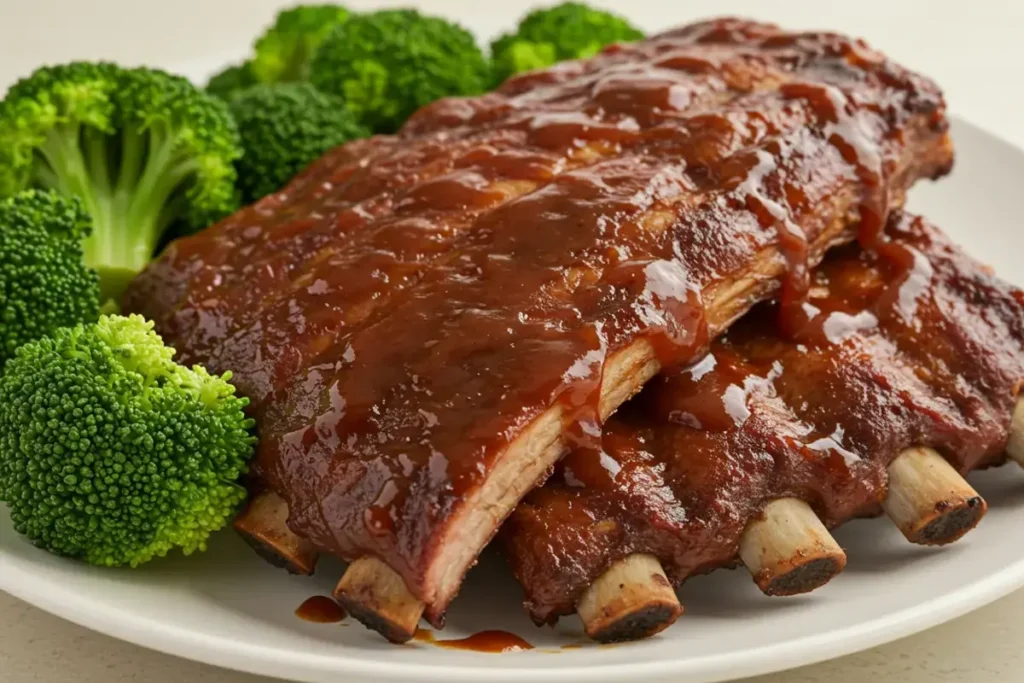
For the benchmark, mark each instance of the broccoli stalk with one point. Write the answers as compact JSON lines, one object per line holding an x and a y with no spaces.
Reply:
{"x":284,"y":128}
{"x":113,"y":453}
{"x":388,"y":64}
{"x":570,"y":30}
{"x":141,"y":148}
{"x":43,"y":282}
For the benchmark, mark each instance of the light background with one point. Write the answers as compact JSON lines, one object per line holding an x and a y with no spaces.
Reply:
{"x":975,"y":50}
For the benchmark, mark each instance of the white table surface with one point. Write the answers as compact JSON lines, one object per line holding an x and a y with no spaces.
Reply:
{"x":974,"y":49}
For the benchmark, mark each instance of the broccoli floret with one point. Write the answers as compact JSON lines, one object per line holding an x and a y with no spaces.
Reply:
{"x":113,"y":453}
{"x":284,"y":128}
{"x":568,"y":31}
{"x":43,"y":283}
{"x":388,"y":64}
{"x":231,"y":80}
{"x":140,"y":147}
{"x":283,"y":52}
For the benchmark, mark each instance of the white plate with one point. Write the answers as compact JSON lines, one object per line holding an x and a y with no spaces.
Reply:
{"x":229,"y":608}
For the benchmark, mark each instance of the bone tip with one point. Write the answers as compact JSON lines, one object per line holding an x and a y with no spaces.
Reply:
{"x":263,"y":524}
{"x":1017,"y":454}
{"x":951,"y":522}
{"x":930,"y":502}
{"x":632,"y":599}
{"x":397,"y":631}
{"x":376,"y":595}
{"x":1015,"y":443}
{"x":300,"y":563}
{"x":803,"y":578}
{"x":644,"y":622}
{"x":789,"y":551}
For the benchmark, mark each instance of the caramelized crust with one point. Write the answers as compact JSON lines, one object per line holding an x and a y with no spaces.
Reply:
{"x":423,"y":322}
{"x":918,"y":346}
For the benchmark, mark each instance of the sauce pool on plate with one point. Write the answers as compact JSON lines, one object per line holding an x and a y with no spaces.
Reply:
{"x":320,"y":609}
{"x":494,"y":642}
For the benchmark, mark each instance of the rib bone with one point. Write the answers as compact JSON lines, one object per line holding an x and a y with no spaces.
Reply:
{"x":788,"y":550}
{"x":632,"y":599}
{"x":264,"y":525}
{"x":928,"y":500}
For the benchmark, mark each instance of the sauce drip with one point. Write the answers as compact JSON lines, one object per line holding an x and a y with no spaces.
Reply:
{"x":320,"y":609}
{"x":847,"y":132}
{"x":775,"y":214}
{"x":491,"y":642}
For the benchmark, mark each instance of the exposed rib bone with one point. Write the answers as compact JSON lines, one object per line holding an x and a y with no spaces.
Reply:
{"x":1015,"y":444}
{"x":633,"y":599}
{"x":374,"y":594}
{"x":264,"y":525}
{"x":928,"y":500}
{"x":788,"y":550}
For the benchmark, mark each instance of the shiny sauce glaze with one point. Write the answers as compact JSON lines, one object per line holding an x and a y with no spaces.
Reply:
{"x":320,"y":609}
{"x":410,"y":304}
{"x":490,"y":642}
{"x":918,"y":345}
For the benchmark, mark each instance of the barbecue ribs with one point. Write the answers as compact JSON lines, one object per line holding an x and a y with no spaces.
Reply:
{"x":916,"y":347}
{"x":425,"y":322}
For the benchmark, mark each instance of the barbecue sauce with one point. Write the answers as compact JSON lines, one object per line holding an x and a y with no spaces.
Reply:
{"x":490,"y":642}
{"x":405,"y":309}
{"x":320,"y":609}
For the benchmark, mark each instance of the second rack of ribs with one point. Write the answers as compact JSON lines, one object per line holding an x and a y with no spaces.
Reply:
{"x":424,"y":322}
{"x":922,"y":350}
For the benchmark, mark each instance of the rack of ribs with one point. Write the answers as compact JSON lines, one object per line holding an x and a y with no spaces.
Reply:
{"x":904,"y":378}
{"x":425,"y":323}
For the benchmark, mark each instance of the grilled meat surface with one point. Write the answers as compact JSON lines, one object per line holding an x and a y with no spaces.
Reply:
{"x":425,"y":322}
{"x":915,"y":346}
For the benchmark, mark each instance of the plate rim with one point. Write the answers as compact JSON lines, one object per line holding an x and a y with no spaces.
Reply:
{"x":239,"y":655}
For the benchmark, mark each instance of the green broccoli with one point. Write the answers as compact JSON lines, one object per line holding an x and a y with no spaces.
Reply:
{"x":284,"y":128}
{"x":283,"y":52}
{"x":113,"y":453}
{"x":43,"y":282}
{"x":388,"y":64}
{"x":230,"y":80}
{"x":568,"y":31}
{"x":140,"y":147}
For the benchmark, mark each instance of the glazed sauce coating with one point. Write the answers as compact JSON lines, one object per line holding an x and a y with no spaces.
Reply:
{"x":917,"y":345}
{"x":409,"y":305}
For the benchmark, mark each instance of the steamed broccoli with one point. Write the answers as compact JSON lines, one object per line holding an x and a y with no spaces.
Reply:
{"x":387,"y":64}
{"x":140,"y":147}
{"x":43,"y":282}
{"x":113,"y":453}
{"x":568,"y":31}
{"x":284,"y":128}
{"x":283,"y":52}
{"x":230,"y":80}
